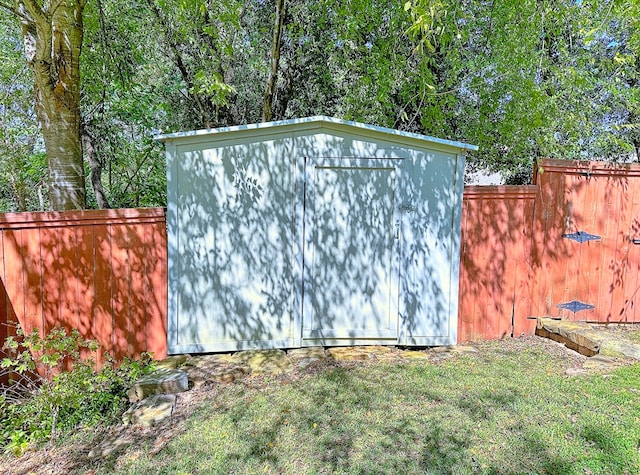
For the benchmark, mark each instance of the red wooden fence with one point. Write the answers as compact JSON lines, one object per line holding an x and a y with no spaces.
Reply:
{"x":599,"y":204}
{"x":495,"y":265}
{"x":568,"y":247}
{"x":101,"y":272}
{"x":105,"y":272}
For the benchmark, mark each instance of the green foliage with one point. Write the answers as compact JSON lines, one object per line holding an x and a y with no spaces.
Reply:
{"x":520,"y":79}
{"x":55,"y":386}
{"x":23,"y":167}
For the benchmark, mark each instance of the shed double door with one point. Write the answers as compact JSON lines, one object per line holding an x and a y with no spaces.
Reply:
{"x":351,"y":251}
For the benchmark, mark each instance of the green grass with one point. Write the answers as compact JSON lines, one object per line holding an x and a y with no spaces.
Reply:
{"x":500,"y":412}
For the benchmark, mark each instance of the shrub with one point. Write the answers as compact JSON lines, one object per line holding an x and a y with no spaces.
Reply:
{"x":53,"y":389}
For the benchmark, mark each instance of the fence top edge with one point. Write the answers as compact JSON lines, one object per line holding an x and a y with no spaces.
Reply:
{"x":498,"y":191}
{"x":81,"y":217}
{"x":590,"y":167}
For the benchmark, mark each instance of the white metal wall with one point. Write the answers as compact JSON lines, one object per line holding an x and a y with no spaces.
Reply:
{"x":291,"y":236}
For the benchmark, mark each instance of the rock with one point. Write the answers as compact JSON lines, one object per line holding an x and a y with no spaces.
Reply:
{"x":162,"y":381}
{"x":586,"y":339}
{"x":302,"y":358}
{"x":150,"y":411}
{"x":263,"y":361}
{"x":620,"y":348}
{"x":349,"y":353}
{"x":600,"y":362}
{"x":413,"y":355}
{"x":578,"y":336}
{"x":304,"y":363}
{"x":310,"y":352}
{"x":109,"y":446}
{"x":454,"y":349}
{"x":172,"y":362}
{"x":576,"y":372}
{"x":213,"y":368}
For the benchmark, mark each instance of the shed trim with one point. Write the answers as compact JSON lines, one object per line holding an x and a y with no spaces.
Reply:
{"x":309,"y":123}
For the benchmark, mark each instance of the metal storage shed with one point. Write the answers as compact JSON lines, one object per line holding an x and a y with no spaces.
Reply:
{"x":313,"y":231}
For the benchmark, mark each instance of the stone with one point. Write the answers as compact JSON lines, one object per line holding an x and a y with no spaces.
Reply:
{"x":162,"y":381}
{"x":359,"y":353}
{"x":310,"y":352}
{"x":576,"y":372}
{"x":578,"y":336}
{"x":302,"y":358}
{"x":172,"y":362}
{"x":109,"y":446}
{"x":586,"y":339}
{"x":600,"y":363}
{"x":150,"y":411}
{"x":263,"y":361}
{"x":388,"y":357}
{"x":454,"y":349}
{"x":213,"y":368}
{"x":413,"y":355}
{"x":620,"y":348}
{"x":350,"y":353}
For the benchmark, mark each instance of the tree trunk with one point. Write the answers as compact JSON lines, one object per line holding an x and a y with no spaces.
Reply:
{"x":96,"y":170}
{"x":53,"y":42}
{"x":267,"y":111}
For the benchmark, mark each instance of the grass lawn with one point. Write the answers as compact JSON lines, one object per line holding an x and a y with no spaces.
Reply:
{"x":508,"y":409}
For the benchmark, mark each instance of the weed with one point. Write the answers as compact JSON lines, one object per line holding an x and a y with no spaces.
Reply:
{"x":54,"y":389}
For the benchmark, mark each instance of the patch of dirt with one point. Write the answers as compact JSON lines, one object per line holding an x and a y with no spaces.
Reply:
{"x":71,"y":455}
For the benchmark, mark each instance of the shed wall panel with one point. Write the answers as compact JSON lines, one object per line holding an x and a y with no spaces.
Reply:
{"x":234,"y":222}
{"x":236,"y":226}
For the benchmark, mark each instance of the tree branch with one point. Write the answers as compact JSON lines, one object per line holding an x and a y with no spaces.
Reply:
{"x":54,"y":6}
{"x":34,"y":10}
{"x":14,"y":11}
{"x":267,"y":110}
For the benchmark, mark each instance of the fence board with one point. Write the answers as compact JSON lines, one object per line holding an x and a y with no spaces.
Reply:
{"x":14,"y":283}
{"x":601,"y":199}
{"x":102,"y":308}
{"x":32,"y":271}
{"x":522,"y":324}
{"x":156,"y":287}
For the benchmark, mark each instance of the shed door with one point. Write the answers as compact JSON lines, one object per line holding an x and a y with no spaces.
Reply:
{"x":351,"y":251}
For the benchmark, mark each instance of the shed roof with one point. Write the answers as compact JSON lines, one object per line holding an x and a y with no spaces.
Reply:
{"x":308,"y":123}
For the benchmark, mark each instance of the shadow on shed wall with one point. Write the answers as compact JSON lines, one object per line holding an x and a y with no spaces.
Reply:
{"x":242,"y":255}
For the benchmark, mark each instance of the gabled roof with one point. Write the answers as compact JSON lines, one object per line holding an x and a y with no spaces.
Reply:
{"x":308,"y":123}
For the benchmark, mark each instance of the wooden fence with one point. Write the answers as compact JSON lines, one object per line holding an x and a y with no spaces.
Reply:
{"x":495,"y":265}
{"x":567,"y":246}
{"x":101,"y":272}
{"x":586,"y":248}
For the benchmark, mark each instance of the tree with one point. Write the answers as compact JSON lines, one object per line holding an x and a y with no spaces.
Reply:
{"x":22,"y":163}
{"x":267,"y":111}
{"x":526,"y":79}
{"x":52,"y":33}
